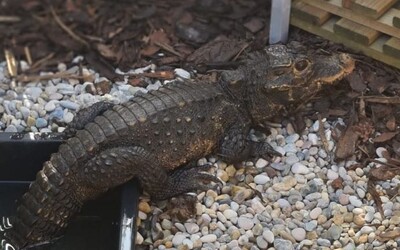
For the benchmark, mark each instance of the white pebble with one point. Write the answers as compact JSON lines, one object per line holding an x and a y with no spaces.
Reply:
{"x":245,"y":223}
{"x":208,"y":238}
{"x":261,"y":179}
{"x":269,"y":236}
{"x":261,"y":163}
{"x":178,"y":239}
{"x":299,"y":234}
{"x":182,"y":73}
{"x":299,"y":168}
{"x":332,"y":175}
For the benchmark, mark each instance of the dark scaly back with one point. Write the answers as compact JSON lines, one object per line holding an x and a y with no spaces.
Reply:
{"x":62,"y":186}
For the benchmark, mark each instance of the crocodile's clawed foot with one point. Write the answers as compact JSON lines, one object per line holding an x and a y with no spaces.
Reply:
{"x":265,"y":150}
{"x":195,"y":178}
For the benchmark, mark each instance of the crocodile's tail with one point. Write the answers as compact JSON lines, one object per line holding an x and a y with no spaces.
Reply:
{"x":44,"y":210}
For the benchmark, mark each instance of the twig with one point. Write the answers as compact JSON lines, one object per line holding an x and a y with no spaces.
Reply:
{"x":240,"y":52}
{"x":38,"y":63}
{"x":11,"y":63}
{"x":31,"y":78}
{"x":9,"y":19}
{"x":381,"y":99}
{"x":321,"y":133}
{"x":168,"y":48}
{"x":28,"y":55}
{"x":66,"y":29}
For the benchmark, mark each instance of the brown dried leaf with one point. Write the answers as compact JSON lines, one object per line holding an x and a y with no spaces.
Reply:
{"x":337,"y":183}
{"x":221,"y":49}
{"x":347,"y":143}
{"x":383,"y":173}
{"x":389,"y":235}
{"x":356,"y":82}
{"x":106,"y":51}
{"x":255,"y":24}
{"x":391,"y":123}
{"x":386,"y":136}
{"x":375,"y":195}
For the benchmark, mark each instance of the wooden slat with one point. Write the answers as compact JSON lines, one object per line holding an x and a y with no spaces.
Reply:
{"x":375,"y":50}
{"x":334,"y":7}
{"x":392,"y":47}
{"x":309,"y":13}
{"x":371,"y":8}
{"x":396,"y":21}
{"x":355,"y":31}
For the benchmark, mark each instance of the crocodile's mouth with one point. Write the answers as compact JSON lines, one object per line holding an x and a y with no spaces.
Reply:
{"x":333,"y":70}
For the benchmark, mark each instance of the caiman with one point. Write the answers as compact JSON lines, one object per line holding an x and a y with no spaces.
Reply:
{"x":158,"y":137}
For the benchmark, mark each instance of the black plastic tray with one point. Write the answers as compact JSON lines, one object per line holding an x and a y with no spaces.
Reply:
{"x":106,"y":223}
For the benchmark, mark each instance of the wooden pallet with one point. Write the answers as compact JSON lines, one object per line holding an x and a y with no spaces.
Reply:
{"x":376,"y":35}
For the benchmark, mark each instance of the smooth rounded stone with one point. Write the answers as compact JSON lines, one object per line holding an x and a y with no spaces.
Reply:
{"x":286,"y":184}
{"x":243,"y":239}
{"x":268,"y":235}
{"x":182,"y":73}
{"x":332,"y":175}
{"x":323,"y":242}
{"x":24,"y":111}
{"x":290,"y":148}
{"x":188,"y":243}
{"x":355,"y":201}
{"x":50,"y":106}
{"x":281,"y":244}
{"x":55,"y":96}
{"x":65,"y":88}
{"x":68,"y":117}
{"x":191,"y":228}
{"x":229,"y":214}
{"x":166,"y":224}
{"x":322,"y":153}
{"x":313,"y":196}
{"x":1,"y":109}
{"x":293,"y":199}
{"x":257,"y":229}
{"x":283,"y":203}
{"x":310,"y":226}
{"x":395,"y":220}
{"x":178,"y":239}
{"x":257,"y":206}
{"x":30,"y":121}
{"x":33,"y":92}
{"x":154,"y":86}
{"x":245,"y":223}
{"x":180,"y":227}
{"x":299,"y":168}
{"x":50,"y":90}
{"x":315,"y":213}
{"x":292,"y":138}
{"x":11,"y":129}
{"x":208,"y":238}
{"x":290,"y":129}
{"x":334,"y":232}
{"x":69,"y":105}
{"x":261,"y":242}
{"x":41,"y":122}
{"x":313,"y":138}
{"x":278,"y":166}
{"x":291,"y":159}
{"x":261,"y":163}
{"x":261,"y":179}
{"x":313,"y":150}
{"x":381,"y":151}
{"x":299,"y":234}
{"x":348,"y":190}
{"x":57,"y":114}
{"x":360,"y":193}
{"x":367,"y":230}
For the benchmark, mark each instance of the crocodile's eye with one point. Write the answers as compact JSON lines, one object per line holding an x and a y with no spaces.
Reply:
{"x":301,"y":65}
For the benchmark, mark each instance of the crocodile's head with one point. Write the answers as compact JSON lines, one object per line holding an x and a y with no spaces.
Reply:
{"x":278,"y":78}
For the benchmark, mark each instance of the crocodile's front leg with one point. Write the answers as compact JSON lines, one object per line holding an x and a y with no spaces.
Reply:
{"x":236,"y":146}
{"x":85,"y":116}
{"x":115,"y":166}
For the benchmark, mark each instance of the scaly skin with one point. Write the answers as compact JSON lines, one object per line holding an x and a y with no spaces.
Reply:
{"x":154,"y":136}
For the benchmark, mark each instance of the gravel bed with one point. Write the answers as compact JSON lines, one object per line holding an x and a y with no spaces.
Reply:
{"x":287,"y":203}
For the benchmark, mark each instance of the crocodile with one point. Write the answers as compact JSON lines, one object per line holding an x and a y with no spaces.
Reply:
{"x":158,"y":137}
